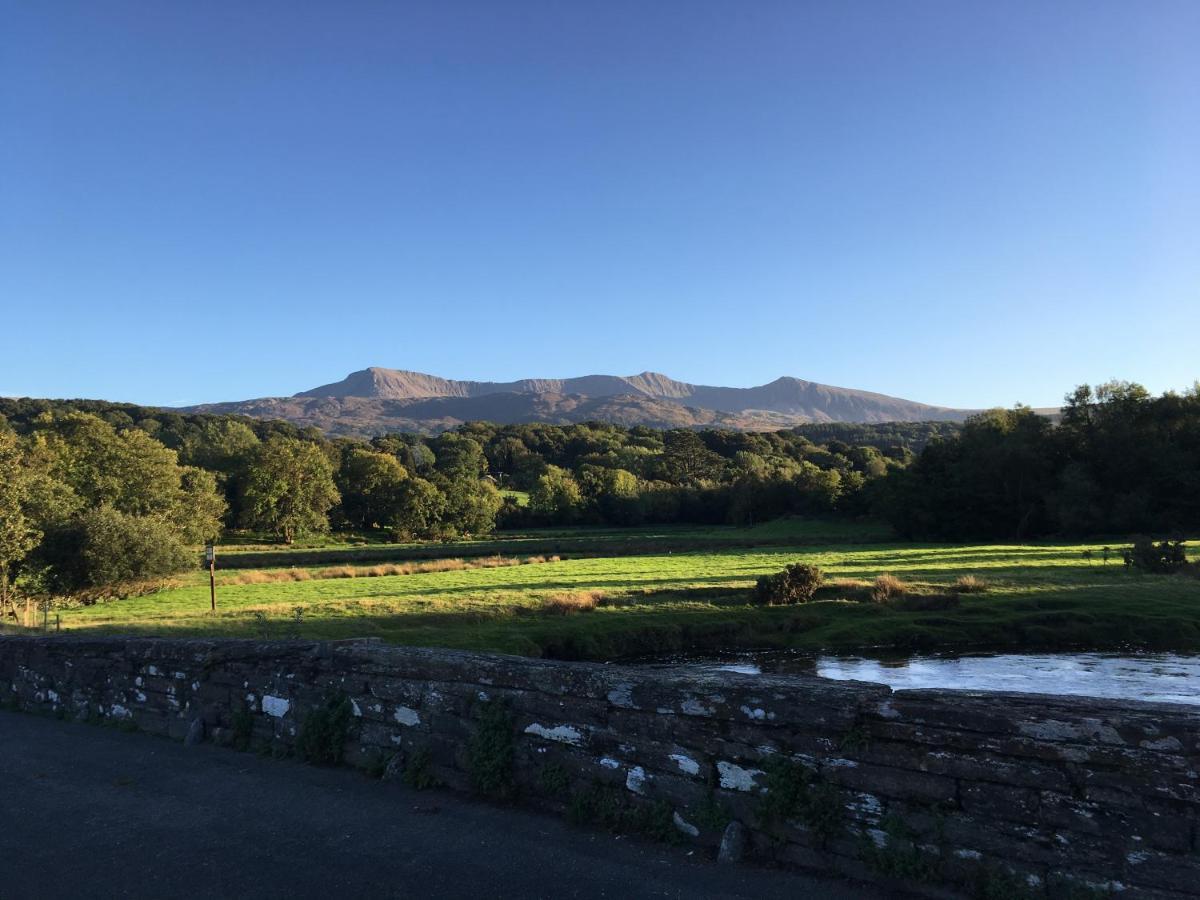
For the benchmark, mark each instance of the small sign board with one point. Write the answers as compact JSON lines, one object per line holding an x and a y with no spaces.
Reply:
{"x":210,"y":554}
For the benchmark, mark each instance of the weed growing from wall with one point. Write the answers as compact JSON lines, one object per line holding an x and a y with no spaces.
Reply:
{"x":793,"y":792}
{"x":609,"y":808}
{"x":553,"y":780}
{"x":899,"y":856}
{"x":856,"y":738}
{"x":241,"y":727}
{"x":994,"y":883}
{"x":324,"y":732}
{"x":710,"y":814}
{"x":376,"y":763}
{"x":418,"y":770}
{"x":490,"y":753}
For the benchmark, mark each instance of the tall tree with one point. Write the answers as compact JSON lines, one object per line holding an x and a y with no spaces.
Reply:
{"x":370,"y":484}
{"x":289,"y":488}
{"x":420,"y":509}
{"x":17,"y":534}
{"x":556,"y":495}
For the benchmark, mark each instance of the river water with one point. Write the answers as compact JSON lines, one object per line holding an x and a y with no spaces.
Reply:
{"x":1158,"y":677}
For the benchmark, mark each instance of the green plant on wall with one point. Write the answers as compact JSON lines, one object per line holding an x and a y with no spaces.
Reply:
{"x":324,"y":732}
{"x":856,"y":738}
{"x":490,"y":753}
{"x":710,"y":814}
{"x":611,"y":809}
{"x":418,"y":770}
{"x":553,"y":780}
{"x":898,"y":854}
{"x":992,"y":882}
{"x":793,"y":792}
{"x":376,"y":763}
{"x":241,"y":727}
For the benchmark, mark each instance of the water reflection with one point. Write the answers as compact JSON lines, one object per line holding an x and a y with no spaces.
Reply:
{"x":1158,"y":677}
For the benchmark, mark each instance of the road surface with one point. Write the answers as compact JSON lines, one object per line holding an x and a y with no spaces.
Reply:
{"x":93,"y":812}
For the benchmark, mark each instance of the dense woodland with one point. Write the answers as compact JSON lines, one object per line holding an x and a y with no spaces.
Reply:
{"x":1119,"y":462}
{"x":95,"y":494}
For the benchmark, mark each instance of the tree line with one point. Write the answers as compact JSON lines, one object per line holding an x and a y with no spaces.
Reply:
{"x":95,"y":494}
{"x":1119,"y":462}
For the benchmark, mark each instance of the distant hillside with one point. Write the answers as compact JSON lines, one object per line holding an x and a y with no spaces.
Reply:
{"x":376,"y":400}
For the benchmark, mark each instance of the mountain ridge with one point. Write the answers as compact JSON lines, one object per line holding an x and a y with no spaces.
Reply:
{"x":376,"y":399}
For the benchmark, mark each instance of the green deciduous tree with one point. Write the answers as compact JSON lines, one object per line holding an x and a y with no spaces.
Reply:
{"x":17,"y":533}
{"x":370,"y":485}
{"x":556,"y":495}
{"x":420,"y":509}
{"x":198,"y":514}
{"x":686,"y":459}
{"x":102,"y":547}
{"x":471,"y":505}
{"x":288,"y":489}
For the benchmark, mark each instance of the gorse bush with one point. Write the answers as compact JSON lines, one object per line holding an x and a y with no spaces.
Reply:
{"x":795,"y":584}
{"x":1162,"y":558}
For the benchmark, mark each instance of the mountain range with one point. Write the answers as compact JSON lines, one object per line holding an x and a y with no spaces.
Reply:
{"x":378,"y":400}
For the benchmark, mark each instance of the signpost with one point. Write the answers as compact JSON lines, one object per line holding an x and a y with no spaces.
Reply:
{"x":210,"y":557}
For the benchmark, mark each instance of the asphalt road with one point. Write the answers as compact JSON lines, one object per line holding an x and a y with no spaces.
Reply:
{"x":92,"y":812}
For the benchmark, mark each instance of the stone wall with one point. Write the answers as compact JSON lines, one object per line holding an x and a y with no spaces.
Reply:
{"x":991,"y":794}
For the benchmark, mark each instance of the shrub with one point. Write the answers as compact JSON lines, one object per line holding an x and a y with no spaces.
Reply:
{"x":888,"y":588}
{"x":105,"y":546}
{"x":1164,"y":557}
{"x":795,"y":584}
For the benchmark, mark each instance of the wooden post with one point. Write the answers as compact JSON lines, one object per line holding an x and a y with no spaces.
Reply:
{"x":210,"y":555}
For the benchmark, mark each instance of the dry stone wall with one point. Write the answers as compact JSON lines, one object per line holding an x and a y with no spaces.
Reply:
{"x":941,"y":791}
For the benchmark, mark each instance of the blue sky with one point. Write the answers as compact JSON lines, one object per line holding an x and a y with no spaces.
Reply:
{"x":960,"y":203}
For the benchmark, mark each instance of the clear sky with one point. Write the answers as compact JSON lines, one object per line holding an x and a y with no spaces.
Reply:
{"x":964,"y":203}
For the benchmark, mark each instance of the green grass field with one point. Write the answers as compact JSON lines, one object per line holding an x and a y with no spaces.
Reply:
{"x":617,"y":594}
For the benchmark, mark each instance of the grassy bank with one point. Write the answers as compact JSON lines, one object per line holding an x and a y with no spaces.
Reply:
{"x":602,"y":607}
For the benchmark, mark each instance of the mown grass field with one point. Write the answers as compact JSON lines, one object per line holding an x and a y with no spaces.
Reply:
{"x":637,"y":600}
